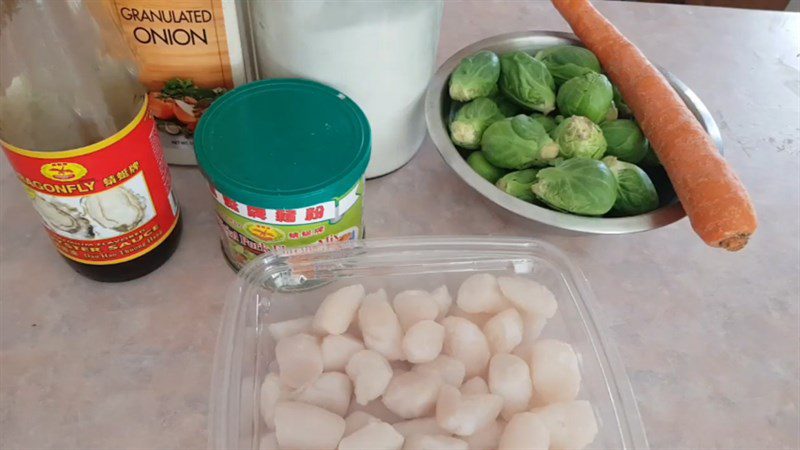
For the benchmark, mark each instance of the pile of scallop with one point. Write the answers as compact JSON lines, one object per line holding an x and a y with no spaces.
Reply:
{"x":419,"y":373}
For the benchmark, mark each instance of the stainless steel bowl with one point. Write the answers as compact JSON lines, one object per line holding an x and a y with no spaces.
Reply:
{"x":438,"y":110}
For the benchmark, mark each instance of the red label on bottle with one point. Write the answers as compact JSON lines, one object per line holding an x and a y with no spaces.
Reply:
{"x":106,"y":203}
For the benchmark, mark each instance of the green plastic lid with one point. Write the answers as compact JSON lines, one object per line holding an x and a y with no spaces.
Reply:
{"x":283,"y":143}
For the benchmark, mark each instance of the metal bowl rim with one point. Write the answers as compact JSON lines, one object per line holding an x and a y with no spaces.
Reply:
{"x":602,"y":225}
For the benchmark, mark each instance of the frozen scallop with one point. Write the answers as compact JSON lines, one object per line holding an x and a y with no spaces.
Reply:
{"x":354,"y":329}
{"x":463,"y":415}
{"x":405,"y":367}
{"x":380,"y":326}
{"x":475,"y":385}
{"x":338,"y":309}
{"x":411,"y":394}
{"x":271,"y":393}
{"x":478,"y":319}
{"x":422,"y":426}
{"x":377,"y":409}
{"x":480,"y":293}
{"x":532,"y":326}
{"x":268,"y":442}
{"x":504,"y":331}
{"x":370,"y":373}
{"x":524,"y":351}
{"x":449,"y":370}
{"x":332,"y":391}
{"x":337,"y":349}
{"x":528,"y":296}
{"x":293,"y":420}
{"x":525,"y":431}
{"x":272,"y":367}
{"x":487,"y":437}
{"x":357,"y":420}
{"x":413,"y":306}
{"x":510,"y":378}
{"x":554,"y":370}
{"x":299,"y":360}
{"x":465,"y":341}
{"x":373,"y":436}
{"x":423,"y":341}
{"x":286,"y":328}
{"x":443,"y":299}
{"x":434,"y":442}
{"x":571,"y":425}
{"x":400,"y":366}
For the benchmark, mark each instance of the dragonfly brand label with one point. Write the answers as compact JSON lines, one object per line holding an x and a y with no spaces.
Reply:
{"x":106,"y":203}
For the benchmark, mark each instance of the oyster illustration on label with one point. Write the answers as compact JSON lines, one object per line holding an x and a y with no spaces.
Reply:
{"x":62,"y":217}
{"x":116,"y":209}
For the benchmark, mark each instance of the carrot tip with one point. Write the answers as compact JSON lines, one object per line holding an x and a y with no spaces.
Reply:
{"x":735,"y":243}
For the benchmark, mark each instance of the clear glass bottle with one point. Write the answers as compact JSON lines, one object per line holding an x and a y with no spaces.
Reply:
{"x":75,"y":128}
{"x":381,"y":54}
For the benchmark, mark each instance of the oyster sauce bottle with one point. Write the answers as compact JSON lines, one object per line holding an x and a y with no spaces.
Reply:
{"x":74,"y":125}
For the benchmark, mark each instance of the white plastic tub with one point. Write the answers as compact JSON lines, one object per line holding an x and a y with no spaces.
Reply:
{"x":276,"y":288}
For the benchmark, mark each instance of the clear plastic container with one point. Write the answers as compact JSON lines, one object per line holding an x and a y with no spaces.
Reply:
{"x":277,"y":288}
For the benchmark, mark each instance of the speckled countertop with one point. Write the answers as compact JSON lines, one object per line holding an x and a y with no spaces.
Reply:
{"x":711,"y":340}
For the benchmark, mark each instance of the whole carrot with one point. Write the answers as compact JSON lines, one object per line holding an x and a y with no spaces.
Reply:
{"x":712,"y":195}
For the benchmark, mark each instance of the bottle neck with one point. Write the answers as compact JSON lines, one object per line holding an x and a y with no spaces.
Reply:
{"x":67,"y":79}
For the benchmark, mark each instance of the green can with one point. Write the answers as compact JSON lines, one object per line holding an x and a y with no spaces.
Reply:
{"x":285,"y":160}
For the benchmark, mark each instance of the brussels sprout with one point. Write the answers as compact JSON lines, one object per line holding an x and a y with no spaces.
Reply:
{"x":547,"y":122}
{"x":624,"y":110}
{"x":476,"y":76}
{"x":479,"y":164}
{"x":625,"y":140}
{"x":588,"y":95}
{"x":636,"y":193}
{"x":611,"y":114}
{"x":507,"y":106}
{"x":579,"y":137}
{"x":527,"y":81}
{"x":472,"y":120}
{"x":568,"y":61}
{"x":519,"y":184}
{"x":650,"y":158}
{"x":579,"y":185}
{"x":517,"y":142}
